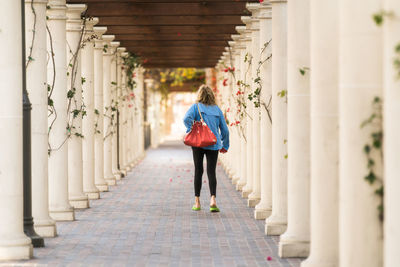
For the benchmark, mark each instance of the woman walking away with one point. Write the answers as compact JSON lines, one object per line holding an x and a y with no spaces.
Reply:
{"x":214,"y":118}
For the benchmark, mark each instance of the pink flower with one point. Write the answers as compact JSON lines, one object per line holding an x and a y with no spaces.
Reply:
{"x":228,"y":110}
{"x":269,"y":258}
{"x":261,"y":1}
{"x":226,"y":70}
{"x":170,"y":179}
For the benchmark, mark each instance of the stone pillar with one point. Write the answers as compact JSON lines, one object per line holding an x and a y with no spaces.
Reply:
{"x":77,"y":198}
{"x":324,"y":41}
{"x":120,"y":86}
{"x":107,"y":110}
{"x":124,"y":122}
{"x":360,"y":81}
{"x":140,"y":87}
{"x":248,"y":188}
{"x":264,"y":208}
{"x":88,"y":121}
{"x":59,"y":206}
{"x":295,"y":242}
{"x":36,"y":80}
{"x":276,"y":223}
{"x":114,"y":103}
{"x":255,"y":196}
{"x":14,"y":245}
{"x":391,"y":113}
{"x":242,"y":126}
{"x":100,"y":182}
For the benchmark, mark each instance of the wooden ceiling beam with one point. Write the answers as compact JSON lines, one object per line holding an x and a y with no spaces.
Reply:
{"x":170,"y":20}
{"x":174,"y":43}
{"x":172,"y":37}
{"x":154,"y":1}
{"x":171,"y":9}
{"x":171,"y":29}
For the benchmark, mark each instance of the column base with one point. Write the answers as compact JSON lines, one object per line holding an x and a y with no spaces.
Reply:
{"x":293,"y":248}
{"x":46,"y":228}
{"x":235,"y":180}
{"x":79,"y":203}
{"x":261,"y":214}
{"x":93,"y":195}
{"x":66,"y":215}
{"x":102,"y":187}
{"x":317,"y":263}
{"x":274,"y":227}
{"x":117,"y":176}
{"x":19,"y":250}
{"x":111,"y":181}
{"x":245,"y":192}
{"x":239,"y":186}
{"x":252,"y":202}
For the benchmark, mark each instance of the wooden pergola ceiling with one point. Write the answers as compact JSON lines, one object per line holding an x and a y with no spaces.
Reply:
{"x":168,"y":34}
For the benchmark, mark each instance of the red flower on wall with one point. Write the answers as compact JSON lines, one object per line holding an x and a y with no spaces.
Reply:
{"x":145,"y":61}
{"x":224,"y":83}
{"x":261,"y":1}
{"x":228,"y":110}
{"x":132,"y":95}
{"x":226,"y":70}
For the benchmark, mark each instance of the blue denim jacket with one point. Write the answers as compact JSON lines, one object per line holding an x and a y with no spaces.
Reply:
{"x":215,"y":120}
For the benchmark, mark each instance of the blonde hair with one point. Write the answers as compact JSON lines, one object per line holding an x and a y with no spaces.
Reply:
{"x":205,"y":95}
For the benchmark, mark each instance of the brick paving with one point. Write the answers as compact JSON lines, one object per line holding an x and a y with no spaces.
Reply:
{"x":146,"y":220}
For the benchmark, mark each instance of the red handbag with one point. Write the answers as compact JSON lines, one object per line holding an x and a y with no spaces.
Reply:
{"x":200,"y":135}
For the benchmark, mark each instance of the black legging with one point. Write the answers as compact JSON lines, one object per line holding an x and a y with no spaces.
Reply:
{"x":212,"y":157}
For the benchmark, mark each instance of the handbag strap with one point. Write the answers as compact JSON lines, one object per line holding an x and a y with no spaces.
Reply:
{"x":198,"y":108}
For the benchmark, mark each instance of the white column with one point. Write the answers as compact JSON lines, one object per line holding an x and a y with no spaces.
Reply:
{"x":124,"y":121}
{"x":324,"y":40}
{"x":120,"y":50}
{"x":360,"y":81}
{"x":295,"y":242}
{"x":243,"y":140}
{"x":264,"y":208}
{"x":114,"y":101}
{"x":391,"y":113}
{"x":59,"y":206}
{"x":36,"y":80}
{"x":255,"y":196}
{"x":248,"y":188}
{"x":100,"y":182}
{"x":77,"y":198}
{"x":14,"y":245}
{"x":87,"y":59}
{"x":140,"y":88}
{"x":276,"y":223}
{"x":107,"y":110}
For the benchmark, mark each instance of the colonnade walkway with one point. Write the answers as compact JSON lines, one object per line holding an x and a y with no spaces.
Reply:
{"x":146,"y":220}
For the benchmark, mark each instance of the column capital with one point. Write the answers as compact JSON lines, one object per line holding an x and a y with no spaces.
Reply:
{"x":56,"y":10}
{"x":74,"y":21}
{"x":114,"y":46}
{"x":246,"y":20}
{"x":277,"y":1}
{"x":89,"y":24}
{"x":265,"y":11}
{"x":99,"y":31}
{"x":240,"y":30}
{"x":43,"y":2}
{"x":107,"y":39}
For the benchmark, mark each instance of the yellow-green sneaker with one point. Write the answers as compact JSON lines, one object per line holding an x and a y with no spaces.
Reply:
{"x":196,"y":208}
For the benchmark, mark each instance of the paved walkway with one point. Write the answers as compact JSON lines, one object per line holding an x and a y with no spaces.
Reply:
{"x":146,"y":220}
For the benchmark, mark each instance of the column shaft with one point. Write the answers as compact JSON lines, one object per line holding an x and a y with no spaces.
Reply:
{"x":14,"y":245}
{"x":88,"y":121}
{"x":360,"y":73}
{"x":295,"y":241}
{"x":391,"y":113}
{"x":324,"y":40}
{"x":276,"y":223}
{"x":100,"y":182}
{"x":59,"y":206}
{"x":114,"y":100}
{"x":77,"y":198}
{"x":107,"y":110}
{"x":36,"y":79}
{"x":264,"y":208}
{"x":255,"y":196}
